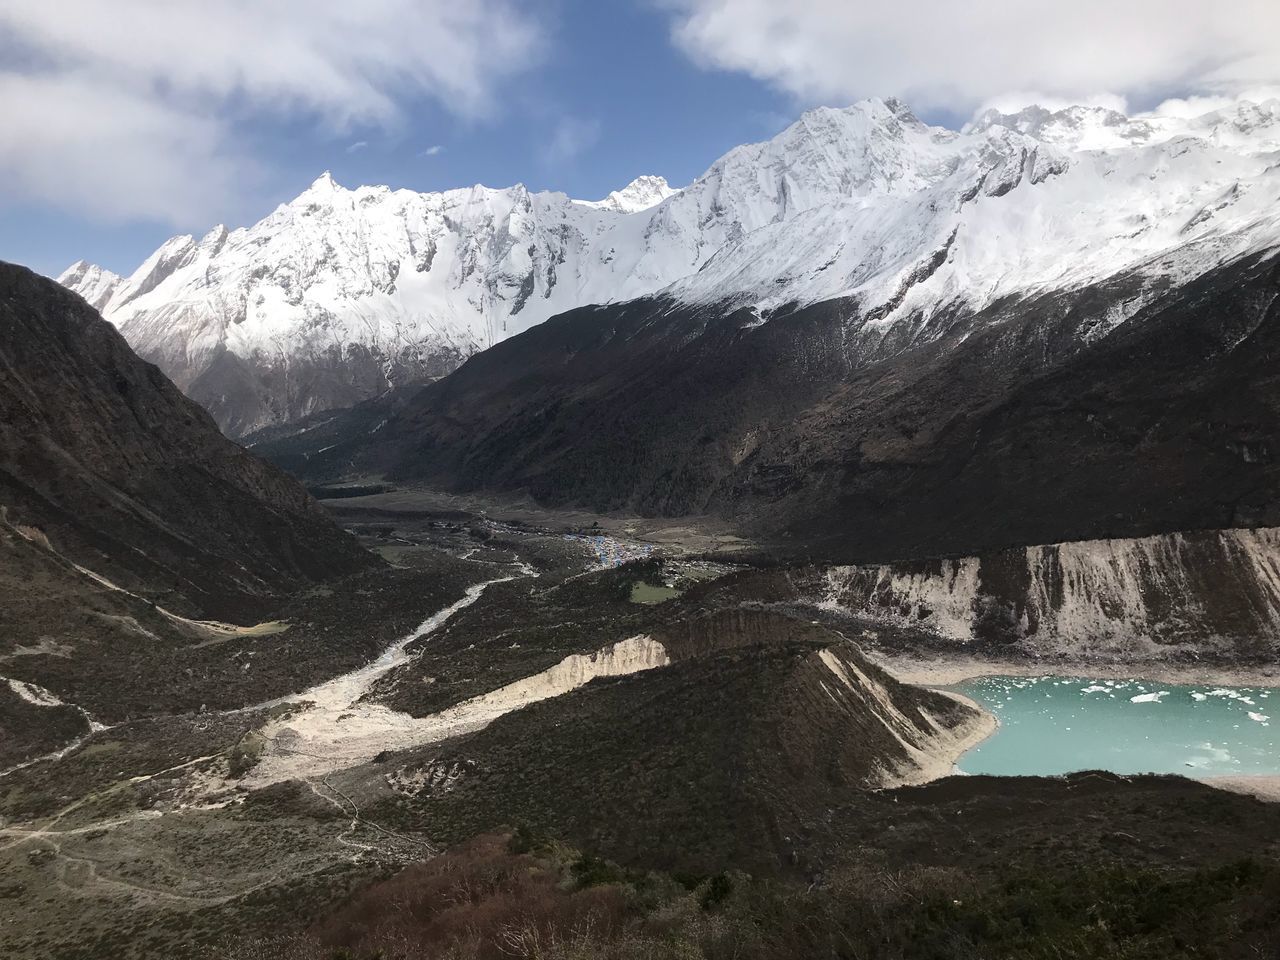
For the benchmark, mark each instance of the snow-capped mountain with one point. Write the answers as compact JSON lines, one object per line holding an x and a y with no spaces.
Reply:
{"x":872,"y":204}
{"x":340,"y":293}
{"x":640,"y":194}
{"x":92,"y":282}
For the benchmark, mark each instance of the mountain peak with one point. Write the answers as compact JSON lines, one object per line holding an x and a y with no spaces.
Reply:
{"x":96,"y":284}
{"x":874,"y":109}
{"x":640,"y":194}
{"x":323,"y":183}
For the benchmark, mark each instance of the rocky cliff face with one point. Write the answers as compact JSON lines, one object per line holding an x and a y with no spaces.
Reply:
{"x":342,"y":294}
{"x":1211,"y":594}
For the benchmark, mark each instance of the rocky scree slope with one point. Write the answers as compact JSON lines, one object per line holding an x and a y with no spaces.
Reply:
{"x":1206,"y":596}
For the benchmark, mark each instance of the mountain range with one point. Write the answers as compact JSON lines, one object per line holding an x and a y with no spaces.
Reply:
{"x":341,"y":295}
{"x":1098,"y":318}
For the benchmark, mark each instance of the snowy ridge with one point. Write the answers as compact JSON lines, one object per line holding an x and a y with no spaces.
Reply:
{"x":638,"y":195}
{"x":1014,"y":205}
{"x":92,"y":282}
{"x":866,"y":202}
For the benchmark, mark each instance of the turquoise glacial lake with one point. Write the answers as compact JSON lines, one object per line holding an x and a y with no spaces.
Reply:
{"x":1053,"y":725}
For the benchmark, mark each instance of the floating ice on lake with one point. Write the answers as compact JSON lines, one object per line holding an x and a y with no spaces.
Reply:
{"x":1149,"y":697}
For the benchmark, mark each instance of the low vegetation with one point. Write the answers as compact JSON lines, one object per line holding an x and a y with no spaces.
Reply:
{"x":517,"y":896}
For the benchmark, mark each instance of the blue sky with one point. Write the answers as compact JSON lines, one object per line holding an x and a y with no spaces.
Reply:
{"x":127,"y":123}
{"x":608,"y":76}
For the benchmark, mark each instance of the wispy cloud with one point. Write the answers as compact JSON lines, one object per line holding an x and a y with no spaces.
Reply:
{"x":570,"y":137}
{"x":957,"y":56}
{"x":357,"y":146}
{"x":432,"y":151}
{"x":113,"y":153}
{"x":130,"y":109}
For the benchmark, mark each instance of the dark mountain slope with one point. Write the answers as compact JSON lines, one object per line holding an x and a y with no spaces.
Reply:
{"x":127,"y":521}
{"x":122,"y":474}
{"x":761,"y":723}
{"x":1027,"y":423}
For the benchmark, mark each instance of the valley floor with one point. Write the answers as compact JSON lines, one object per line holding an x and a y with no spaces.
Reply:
{"x":181,"y":833}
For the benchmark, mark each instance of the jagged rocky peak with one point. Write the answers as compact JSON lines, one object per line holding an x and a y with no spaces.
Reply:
{"x":871,"y":148}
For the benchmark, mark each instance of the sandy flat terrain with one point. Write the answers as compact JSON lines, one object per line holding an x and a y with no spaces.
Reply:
{"x":949,"y":668}
{"x":1262,"y":787}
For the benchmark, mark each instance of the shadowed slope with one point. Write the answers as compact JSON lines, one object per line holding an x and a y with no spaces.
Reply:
{"x":122,"y":474}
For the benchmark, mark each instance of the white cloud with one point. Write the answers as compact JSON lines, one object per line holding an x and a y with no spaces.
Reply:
{"x":1199,"y":105}
{"x":357,"y":146}
{"x":111,"y":154}
{"x":1012,"y":102}
{"x":129,"y":108}
{"x":570,"y":137}
{"x":433,"y":151}
{"x":960,"y":55}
